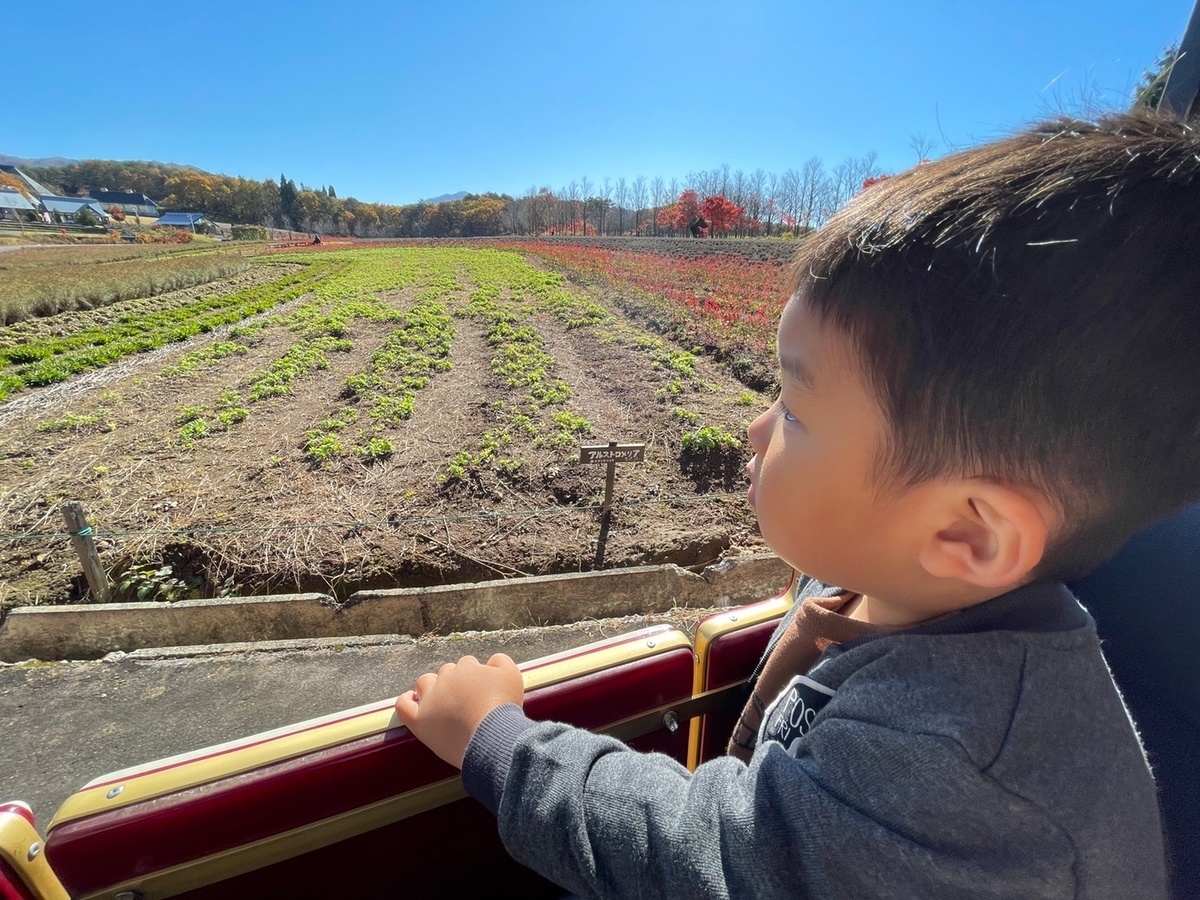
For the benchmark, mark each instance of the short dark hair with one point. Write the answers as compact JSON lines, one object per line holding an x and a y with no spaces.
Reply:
{"x":1029,"y":311}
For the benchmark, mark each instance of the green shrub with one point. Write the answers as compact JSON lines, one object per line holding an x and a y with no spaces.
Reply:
{"x":376,"y":448}
{"x":709,"y":438}
{"x":249,"y":233}
{"x":321,"y":448}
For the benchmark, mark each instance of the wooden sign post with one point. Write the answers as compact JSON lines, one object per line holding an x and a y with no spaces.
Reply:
{"x":611,"y":454}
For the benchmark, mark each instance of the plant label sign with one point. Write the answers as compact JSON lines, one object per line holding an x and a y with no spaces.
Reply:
{"x":612,"y":453}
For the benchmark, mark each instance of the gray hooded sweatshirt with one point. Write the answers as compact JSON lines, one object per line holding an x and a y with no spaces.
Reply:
{"x":985,"y":755}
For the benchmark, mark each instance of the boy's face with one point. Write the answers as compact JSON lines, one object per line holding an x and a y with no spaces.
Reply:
{"x":811,"y":476}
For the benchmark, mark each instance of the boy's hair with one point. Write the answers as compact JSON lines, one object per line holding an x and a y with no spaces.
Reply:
{"x":1029,"y":311}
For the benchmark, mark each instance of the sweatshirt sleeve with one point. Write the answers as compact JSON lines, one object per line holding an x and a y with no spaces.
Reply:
{"x":489,"y":754}
{"x":861,"y":811}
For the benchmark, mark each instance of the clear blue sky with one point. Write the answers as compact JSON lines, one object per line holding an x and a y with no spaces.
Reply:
{"x":395,"y":101}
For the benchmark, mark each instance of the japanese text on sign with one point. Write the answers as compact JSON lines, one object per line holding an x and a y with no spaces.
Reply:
{"x":606,"y":453}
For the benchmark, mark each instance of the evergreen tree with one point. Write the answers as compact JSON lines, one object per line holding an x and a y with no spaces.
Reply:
{"x":287,"y":195}
{"x":1150,"y":89}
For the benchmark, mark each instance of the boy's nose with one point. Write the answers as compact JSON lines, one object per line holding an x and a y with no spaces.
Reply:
{"x":759,"y":432}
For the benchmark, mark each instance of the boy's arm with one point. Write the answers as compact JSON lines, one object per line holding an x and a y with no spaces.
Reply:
{"x":863,"y":812}
{"x":862,"y":808}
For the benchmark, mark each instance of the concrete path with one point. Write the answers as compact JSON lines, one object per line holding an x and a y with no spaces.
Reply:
{"x":63,"y":724}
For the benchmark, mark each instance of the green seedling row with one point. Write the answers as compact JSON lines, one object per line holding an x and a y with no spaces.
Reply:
{"x":56,"y":359}
{"x":400,"y":367}
{"x":507,"y":290}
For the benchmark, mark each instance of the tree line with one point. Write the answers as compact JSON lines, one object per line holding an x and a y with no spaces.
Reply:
{"x":729,"y":202}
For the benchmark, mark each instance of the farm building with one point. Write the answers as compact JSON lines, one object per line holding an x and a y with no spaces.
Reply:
{"x":189,"y":221}
{"x":132,"y":204}
{"x":68,"y":207}
{"x":14,"y":205}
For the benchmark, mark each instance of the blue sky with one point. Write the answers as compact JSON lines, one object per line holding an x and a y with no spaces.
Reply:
{"x":397,"y":101}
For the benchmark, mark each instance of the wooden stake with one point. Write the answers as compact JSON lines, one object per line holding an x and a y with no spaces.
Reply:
{"x":81,"y":540}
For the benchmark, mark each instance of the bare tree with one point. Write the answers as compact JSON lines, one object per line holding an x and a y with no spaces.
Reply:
{"x":514,"y":210}
{"x":658,"y":192}
{"x":540,"y":208}
{"x":585,"y":191}
{"x":754,"y":197}
{"x":605,"y":194}
{"x":847,"y":180}
{"x":788,"y":198}
{"x":841,"y":186}
{"x":812,"y":184}
{"x":738,"y":186}
{"x":572,"y":199}
{"x":866,"y":166}
{"x":922,"y":144}
{"x":637,"y":196}
{"x":770,"y":201}
{"x":621,"y":195}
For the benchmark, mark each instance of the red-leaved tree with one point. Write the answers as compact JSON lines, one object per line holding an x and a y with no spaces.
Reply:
{"x":722,"y":215}
{"x":682,"y":213}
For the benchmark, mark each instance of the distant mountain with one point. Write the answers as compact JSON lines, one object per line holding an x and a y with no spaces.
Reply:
{"x":46,"y":163}
{"x":446,"y":198}
{"x":58,"y":162}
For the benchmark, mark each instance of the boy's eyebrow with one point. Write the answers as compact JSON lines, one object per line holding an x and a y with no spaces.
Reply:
{"x":794,"y":367}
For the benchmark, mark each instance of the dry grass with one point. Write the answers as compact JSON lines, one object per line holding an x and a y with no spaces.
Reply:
{"x":47,"y":281}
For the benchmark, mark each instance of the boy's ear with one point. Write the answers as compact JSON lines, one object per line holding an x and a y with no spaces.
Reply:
{"x":993,"y":535}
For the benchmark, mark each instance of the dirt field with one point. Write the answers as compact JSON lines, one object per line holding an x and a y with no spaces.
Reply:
{"x":246,"y":509}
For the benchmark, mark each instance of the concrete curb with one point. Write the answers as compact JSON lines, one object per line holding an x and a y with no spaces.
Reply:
{"x":90,"y":632}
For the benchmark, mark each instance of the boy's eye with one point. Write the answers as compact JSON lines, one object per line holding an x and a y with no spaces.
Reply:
{"x":787,"y":414}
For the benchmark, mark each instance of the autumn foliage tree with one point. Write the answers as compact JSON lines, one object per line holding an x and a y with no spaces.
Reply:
{"x":678,"y":216}
{"x":13,"y":183}
{"x":722,"y":216}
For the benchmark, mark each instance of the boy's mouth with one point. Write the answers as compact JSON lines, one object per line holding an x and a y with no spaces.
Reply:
{"x":750,"y":467}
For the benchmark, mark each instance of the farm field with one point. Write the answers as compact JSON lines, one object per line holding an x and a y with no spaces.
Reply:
{"x":41,"y":281}
{"x":349,"y":419}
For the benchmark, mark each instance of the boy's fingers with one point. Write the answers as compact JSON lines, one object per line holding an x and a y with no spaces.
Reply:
{"x":501,"y":661}
{"x":463,"y":661}
{"x":425,"y":682}
{"x":406,"y":708}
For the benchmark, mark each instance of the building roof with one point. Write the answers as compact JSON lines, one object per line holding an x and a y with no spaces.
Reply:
{"x":10,"y":199}
{"x":71,"y":205}
{"x":122,"y":197}
{"x":180,"y":218}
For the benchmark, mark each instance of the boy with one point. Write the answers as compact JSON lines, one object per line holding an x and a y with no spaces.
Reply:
{"x":990,"y":379}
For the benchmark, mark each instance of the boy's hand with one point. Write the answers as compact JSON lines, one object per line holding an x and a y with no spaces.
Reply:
{"x":443,"y":710}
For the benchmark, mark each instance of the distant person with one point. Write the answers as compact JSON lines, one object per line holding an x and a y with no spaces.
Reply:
{"x":316,"y":239}
{"x":989,"y":382}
